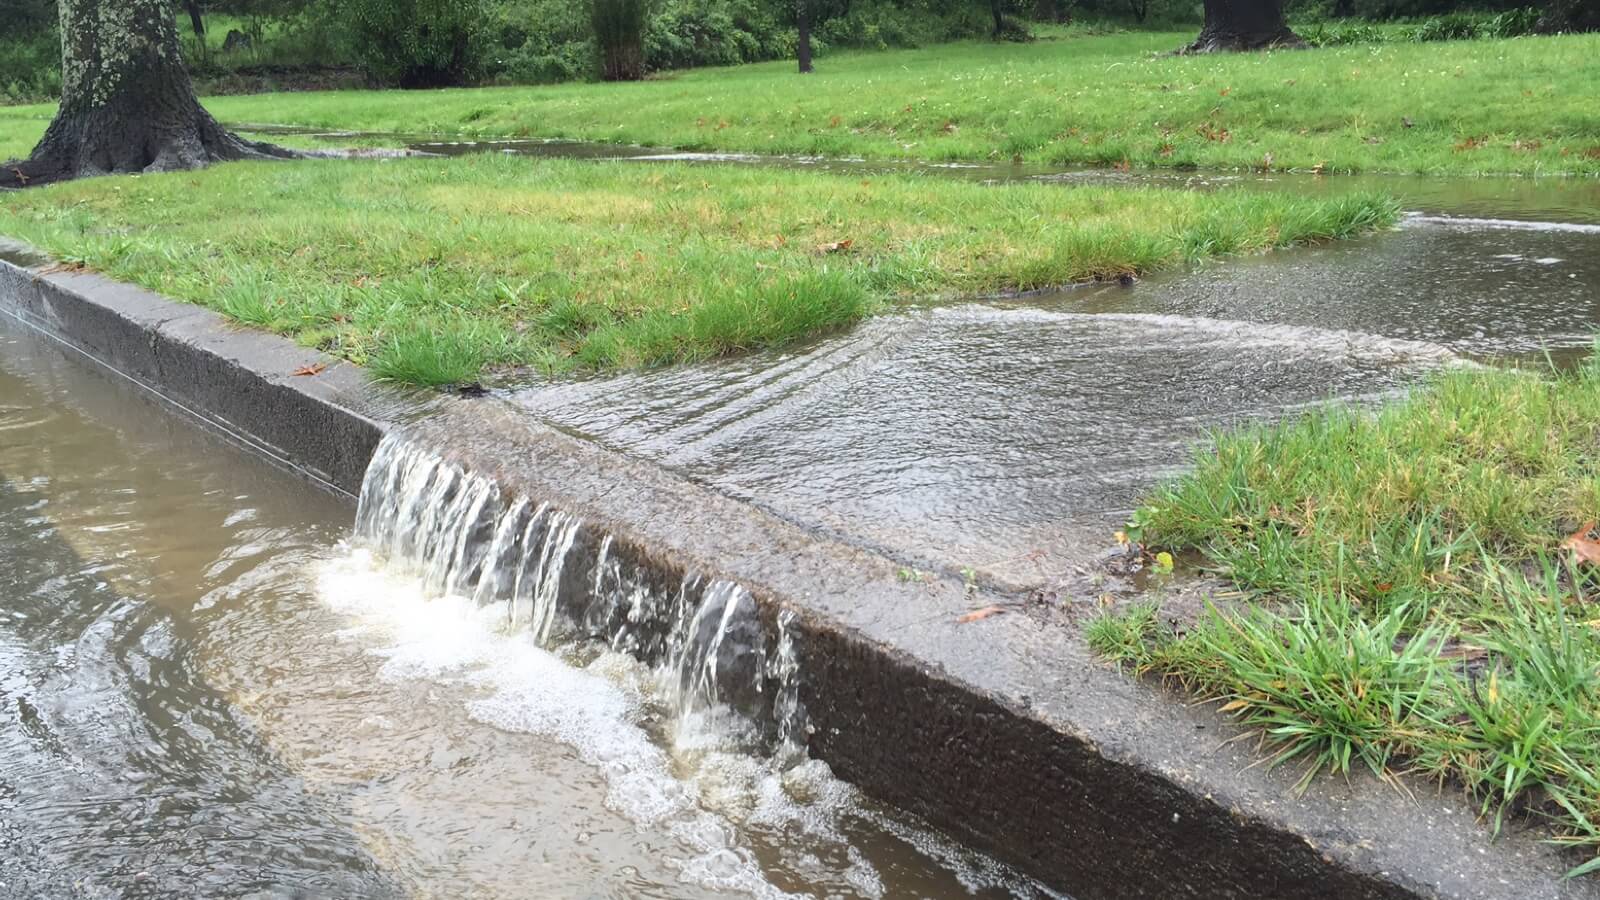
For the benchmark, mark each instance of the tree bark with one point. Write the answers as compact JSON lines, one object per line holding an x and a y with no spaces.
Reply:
{"x":997,"y":9}
{"x":1243,"y":25}
{"x":802,"y":24}
{"x":1568,"y":16}
{"x":126,"y":101}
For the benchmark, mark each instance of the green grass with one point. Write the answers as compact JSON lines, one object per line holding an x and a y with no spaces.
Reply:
{"x":431,"y":270}
{"x":1411,"y":605}
{"x":1523,"y":105}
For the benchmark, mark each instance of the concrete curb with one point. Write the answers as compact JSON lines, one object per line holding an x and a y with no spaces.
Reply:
{"x":1004,"y":732}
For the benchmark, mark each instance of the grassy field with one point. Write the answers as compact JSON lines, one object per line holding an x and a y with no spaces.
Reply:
{"x":429,"y":271}
{"x":1421,"y":589}
{"x":1523,"y":105}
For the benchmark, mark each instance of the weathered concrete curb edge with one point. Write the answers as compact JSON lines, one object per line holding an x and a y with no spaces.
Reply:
{"x":1002,"y":732}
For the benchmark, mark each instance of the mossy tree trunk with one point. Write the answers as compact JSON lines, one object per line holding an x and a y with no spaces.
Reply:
{"x":1243,"y":25}
{"x":126,"y":101}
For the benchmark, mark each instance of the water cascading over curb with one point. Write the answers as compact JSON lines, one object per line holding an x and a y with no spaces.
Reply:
{"x":562,"y":581}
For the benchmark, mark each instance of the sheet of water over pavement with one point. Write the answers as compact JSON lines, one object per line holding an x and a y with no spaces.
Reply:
{"x":1011,"y":436}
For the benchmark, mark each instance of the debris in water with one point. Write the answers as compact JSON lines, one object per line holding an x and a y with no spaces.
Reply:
{"x":983,"y":613}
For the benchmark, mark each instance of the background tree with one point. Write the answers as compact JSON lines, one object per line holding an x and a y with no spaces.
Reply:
{"x":619,"y":27}
{"x":802,"y":26}
{"x":807,"y":15}
{"x":1243,"y":25}
{"x":126,"y":101}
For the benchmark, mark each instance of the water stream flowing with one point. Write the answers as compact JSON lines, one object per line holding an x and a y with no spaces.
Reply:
{"x":211,"y":686}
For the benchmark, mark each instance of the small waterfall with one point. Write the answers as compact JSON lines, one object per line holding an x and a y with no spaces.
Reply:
{"x":562,"y":581}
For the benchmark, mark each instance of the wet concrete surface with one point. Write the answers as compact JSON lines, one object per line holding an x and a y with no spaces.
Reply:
{"x":1011,"y":437}
{"x":973,"y":437}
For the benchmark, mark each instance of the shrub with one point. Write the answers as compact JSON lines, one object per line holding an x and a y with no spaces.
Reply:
{"x":1511,"y":23}
{"x":417,"y":43}
{"x":683,"y":34}
{"x":1454,"y":27}
{"x":30,"y":67}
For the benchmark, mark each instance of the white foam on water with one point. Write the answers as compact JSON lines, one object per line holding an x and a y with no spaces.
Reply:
{"x":1499,"y":224}
{"x":597,"y":710}
{"x":701,"y":790}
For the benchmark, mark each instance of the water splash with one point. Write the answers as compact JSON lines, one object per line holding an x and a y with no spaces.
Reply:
{"x":681,"y":693}
{"x":560,"y":581}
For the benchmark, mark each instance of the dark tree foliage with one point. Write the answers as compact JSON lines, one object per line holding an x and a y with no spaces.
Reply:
{"x":126,"y":101}
{"x":416,"y":43}
{"x":1570,"y":15}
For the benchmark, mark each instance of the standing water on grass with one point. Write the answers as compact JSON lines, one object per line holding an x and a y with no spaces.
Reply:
{"x":209,"y":688}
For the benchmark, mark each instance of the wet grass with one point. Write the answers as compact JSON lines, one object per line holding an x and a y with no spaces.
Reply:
{"x":432,"y":271}
{"x":1414,"y":601}
{"x":1521,"y":105}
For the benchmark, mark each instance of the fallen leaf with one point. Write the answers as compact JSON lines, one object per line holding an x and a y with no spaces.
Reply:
{"x":984,"y":613}
{"x":313,"y":369}
{"x":1582,"y":546}
{"x":836,"y":246}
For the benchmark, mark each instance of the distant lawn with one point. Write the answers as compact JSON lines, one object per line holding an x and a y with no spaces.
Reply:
{"x":431,"y":271}
{"x":1524,"y":105}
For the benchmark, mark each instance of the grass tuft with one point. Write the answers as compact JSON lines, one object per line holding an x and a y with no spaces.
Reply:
{"x":1415,"y":606}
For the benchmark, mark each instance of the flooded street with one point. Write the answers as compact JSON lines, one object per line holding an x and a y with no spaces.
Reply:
{"x":208,"y":689}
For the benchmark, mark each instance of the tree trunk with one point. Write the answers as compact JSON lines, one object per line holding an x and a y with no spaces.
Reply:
{"x":196,"y":21}
{"x":802,"y":24}
{"x":997,"y":8}
{"x":1243,"y":25}
{"x":126,"y":101}
{"x":1569,"y":15}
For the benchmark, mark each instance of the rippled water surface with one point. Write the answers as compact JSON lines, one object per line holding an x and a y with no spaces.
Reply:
{"x":1010,"y":436}
{"x":206,"y":689}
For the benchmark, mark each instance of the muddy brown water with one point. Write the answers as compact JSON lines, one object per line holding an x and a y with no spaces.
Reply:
{"x":208,"y":689}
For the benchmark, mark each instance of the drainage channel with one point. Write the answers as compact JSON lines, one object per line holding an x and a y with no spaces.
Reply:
{"x":214,"y":687}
